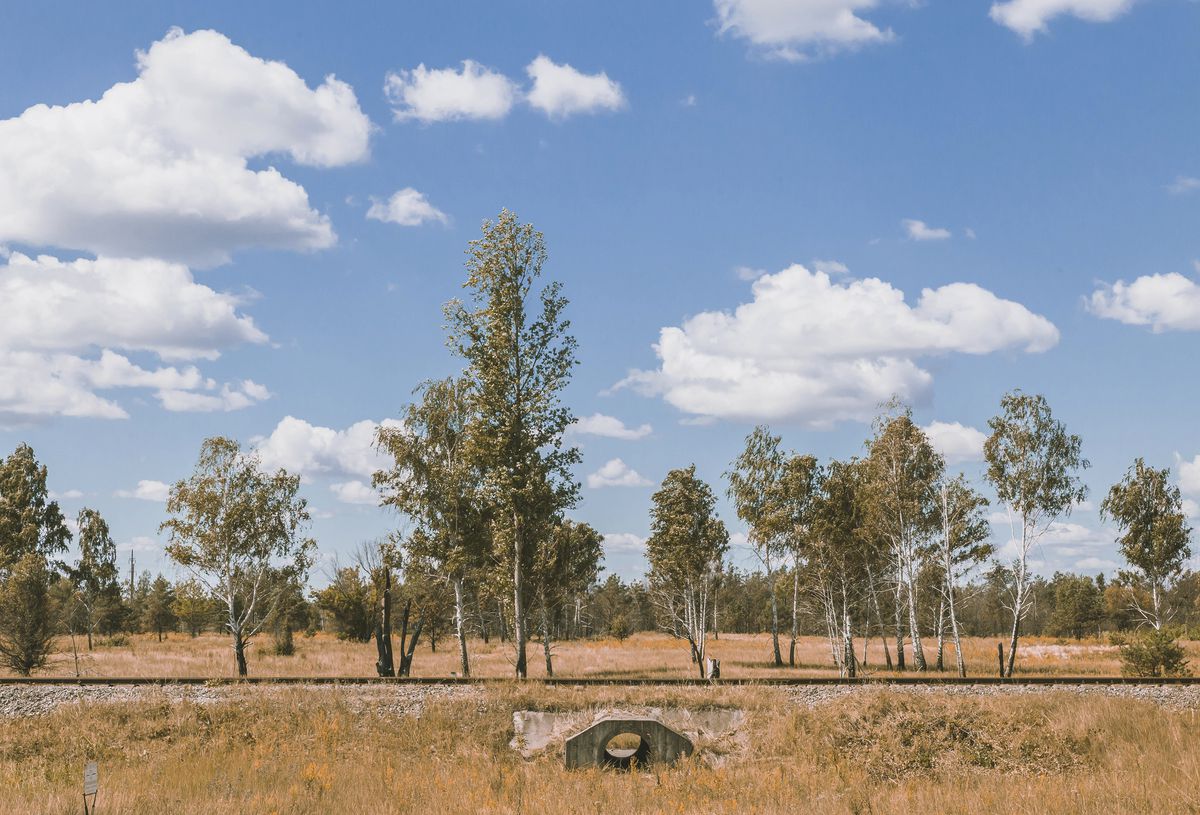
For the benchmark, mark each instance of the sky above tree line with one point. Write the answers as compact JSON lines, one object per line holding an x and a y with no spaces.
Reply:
{"x":243,"y":219}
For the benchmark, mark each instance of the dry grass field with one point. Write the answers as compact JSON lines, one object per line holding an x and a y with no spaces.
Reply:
{"x":298,"y":751}
{"x":642,"y":655}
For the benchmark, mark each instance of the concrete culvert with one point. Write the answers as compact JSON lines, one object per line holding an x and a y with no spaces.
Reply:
{"x":625,"y":744}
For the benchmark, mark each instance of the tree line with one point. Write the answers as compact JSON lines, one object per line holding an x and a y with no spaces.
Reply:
{"x":888,"y":546}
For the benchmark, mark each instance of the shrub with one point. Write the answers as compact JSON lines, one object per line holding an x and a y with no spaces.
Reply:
{"x":28,"y":621}
{"x":1153,"y":653}
{"x":619,"y":627}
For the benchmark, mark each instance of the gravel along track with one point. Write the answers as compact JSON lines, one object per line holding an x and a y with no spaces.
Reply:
{"x":1175,"y":697}
{"x":18,"y":701}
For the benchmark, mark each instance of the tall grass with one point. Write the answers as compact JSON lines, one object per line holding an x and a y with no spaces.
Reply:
{"x":305,"y":751}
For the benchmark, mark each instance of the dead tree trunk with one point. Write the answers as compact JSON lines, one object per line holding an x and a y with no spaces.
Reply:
{"x":385,"y":666}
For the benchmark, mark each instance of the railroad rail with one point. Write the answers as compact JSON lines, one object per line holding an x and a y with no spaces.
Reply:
{"x":569,"y":681}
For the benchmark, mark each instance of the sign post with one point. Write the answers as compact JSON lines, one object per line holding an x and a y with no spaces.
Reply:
{"x":91,"y":786}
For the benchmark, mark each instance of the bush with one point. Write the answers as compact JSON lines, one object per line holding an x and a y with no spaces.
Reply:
{"x":28,"y":621}
{"x":619,"y":627}
{"x":1154,"y":653}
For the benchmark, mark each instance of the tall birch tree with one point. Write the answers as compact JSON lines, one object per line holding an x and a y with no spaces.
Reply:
{"x":962,"y":546}
{"x":436,"y":483}
{"x":756,"y":488}
{"x":1032,"y":465}
{"x":230,"y":523}
{"x":687,"y":541}
{"x":799,"y":487}
{"x":903,"y":472}
{"x":95,"y":573}
{"x":520,"y":354}
{"x":1148,"y":510}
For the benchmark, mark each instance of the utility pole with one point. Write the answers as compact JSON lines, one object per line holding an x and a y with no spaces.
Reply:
{"x":131,"y":577}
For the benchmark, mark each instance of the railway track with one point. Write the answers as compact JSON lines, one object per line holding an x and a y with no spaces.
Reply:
{"x":609,"y":681}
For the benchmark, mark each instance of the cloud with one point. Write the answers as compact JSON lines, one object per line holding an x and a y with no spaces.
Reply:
{"x":560,"y":90}
{"x":616,"y":473}
{"x":355,"y":492}
{"x":306,"y":449}
{"x":66,"y":495}
{"x":1189,"y":474}
{"x":797,"y":30}
{"x":140,"y":543}
{"x":956,"y":442}
{"x":624,"y":542}
{"x":610,"y":427}
{"x":833,"y":268}
{"x":920,"y":231}
{"x":36,"y":385}
{"x":1029,"y":17}
{"x":809,"y":350}
{"x":157,"y":167}
{"x":444,"y":94}
{"x":147,"y":491}
{"x":1183,"y":184}
{"x":56,"y":315}
{"x":406,"y":207}
{"x":132,"y":305}
{"x":1165,"y":302}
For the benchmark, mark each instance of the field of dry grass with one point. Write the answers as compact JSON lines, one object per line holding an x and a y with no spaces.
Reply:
{"x":643,"y":655}
{"x":299,"y":751}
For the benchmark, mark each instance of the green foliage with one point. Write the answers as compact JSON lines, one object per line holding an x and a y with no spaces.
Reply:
{"x":349,"y":602}
{"x":755,"y":486}
{"x":1032,"y":460}
{"x":27,"y":615}
{"x":520,"y":354}
{"x":194,"y":607}
{"x":230,"y":523}
{"x":1153,"y":653}
{"x":619,"y":627}
{"x":433,"y":481}
{"x":1078,"y":606}
{"x":687,"y":540}
{"x":29,"y":521}
{"x":158,"y":612}
{"x":1148,"y":509}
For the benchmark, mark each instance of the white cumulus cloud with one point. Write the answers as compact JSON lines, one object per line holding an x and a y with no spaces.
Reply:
{"x":406,"y":207}
{"x":957,"y":442}
{"x":444,"y":94}
{"x":147,"y":490}
{"x":1029,"y":17}
{"x":611,"y":427}
{"x":132,"y":305}
{"x":616,"y":473}
{"x":560,"y":90}
{"x":812,"y":350}
{"x":1165,"y":302}
{"x":157,"y":167}
{"x":355,"y":492}
{"x":307,"y":449}
{"x":921,"y":231}
{"x":625,"y":542}
{"x":796,"y":30}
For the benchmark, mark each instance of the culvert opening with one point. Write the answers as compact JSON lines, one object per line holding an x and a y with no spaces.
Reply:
{"x":626,"y":750}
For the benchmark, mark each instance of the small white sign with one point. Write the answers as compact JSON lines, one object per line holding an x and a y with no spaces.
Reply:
{"x":91,"y":778}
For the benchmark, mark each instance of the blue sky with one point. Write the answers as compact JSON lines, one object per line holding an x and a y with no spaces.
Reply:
{"x":193,"y":255}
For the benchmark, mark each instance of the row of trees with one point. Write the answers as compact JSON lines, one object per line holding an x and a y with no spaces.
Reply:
{"x":878,"y":545}
{"x":867,"y":542}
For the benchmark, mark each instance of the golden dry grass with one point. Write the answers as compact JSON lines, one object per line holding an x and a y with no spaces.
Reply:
{"x":642,"y":655}
{"x":300,"y":751}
